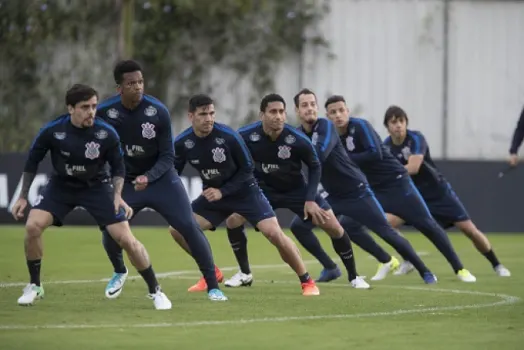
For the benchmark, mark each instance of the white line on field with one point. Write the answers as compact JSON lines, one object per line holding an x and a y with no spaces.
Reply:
{"x":505,"y":300}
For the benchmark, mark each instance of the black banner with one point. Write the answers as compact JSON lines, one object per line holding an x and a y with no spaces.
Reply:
{"x":493,"y":202}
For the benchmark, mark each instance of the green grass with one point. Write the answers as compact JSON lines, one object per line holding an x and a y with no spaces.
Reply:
{"x":392,"y":315}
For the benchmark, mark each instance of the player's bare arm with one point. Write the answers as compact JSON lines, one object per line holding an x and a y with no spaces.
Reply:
{"x":414,"y":163}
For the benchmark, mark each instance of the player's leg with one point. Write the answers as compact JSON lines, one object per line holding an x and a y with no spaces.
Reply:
{"x":405,"y":266}
{"x":303,"y":232}
{"x":238,"y":240}
{"x":363,"y":239}
{"x":255,"y":207}
{"x":99,"y":202}
{"x":115,"y":285}
{"x":51,"y":208}
{"x":406,"y":202}
{"x":366,"y":210}
{"x":168,"y":197}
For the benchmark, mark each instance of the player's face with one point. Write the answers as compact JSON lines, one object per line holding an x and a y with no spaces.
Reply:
{"x":132,"y":86}
{"x":203,"y":119}
{"x":307,"y":109}
{"x":397,"y":127}
{"x":338,"y":113}
{"x":83,"y":113}
{"x":275,"y":116}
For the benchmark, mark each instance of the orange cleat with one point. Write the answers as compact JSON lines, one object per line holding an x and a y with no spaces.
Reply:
{"x":201,"y":285}
{"x":310,"y":288}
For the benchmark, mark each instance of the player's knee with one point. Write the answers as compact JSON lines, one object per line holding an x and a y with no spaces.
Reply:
{"x":34,"y":228}
{"x":273,"y":233}
{"x":235,"y":220}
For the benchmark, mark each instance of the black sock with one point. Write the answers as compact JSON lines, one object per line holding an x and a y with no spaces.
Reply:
{"x":303,"y":232}
{"x":344,"y":249}
{"x":34,"y":270}
{"x":114,"y":252}
{"x":492,"y":258}
{"x":304,"y":278}
{"x":238,"y":240}
{"x":150,"y":278}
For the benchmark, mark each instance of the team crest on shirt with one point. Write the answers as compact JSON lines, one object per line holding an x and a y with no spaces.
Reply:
{"x":254,"y":137}
{"x":290,"y":139}
{"x":220,"y":141}
{"x":150,"y":111}
{"x":284,"y":152}
{"x":219,"y":155}
{"x":59,"y":135}
{"x":189,"y":144}
{"x":148,"y":131}
{"x":406,"y":152}
{"x":314,"y":138}
{"x":92,"y":150}
{"x":101,"y":134}
{"x":350,"y":145}
{"x":112,"y":113}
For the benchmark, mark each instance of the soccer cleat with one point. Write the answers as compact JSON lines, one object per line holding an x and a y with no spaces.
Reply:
{"x":116,"y":285}
{"x":359,"y":283}
{"x":384,"y":269}
{"x":201,"y":285}
{"x":429,"y":278}
{"x":328,"y":275}
{"x":32,"y":292}
{"x":502,"y":271}
{"x":404,"y":268}
{"x":466,"y":276}
{"x":160,"y":300}
{"x":216,"y":295}
{"x":309,"y":288}
{"x":239,"y":279}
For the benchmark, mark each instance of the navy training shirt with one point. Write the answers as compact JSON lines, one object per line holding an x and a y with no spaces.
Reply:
{"x":221,"y":158}
{"x":278,"y":163}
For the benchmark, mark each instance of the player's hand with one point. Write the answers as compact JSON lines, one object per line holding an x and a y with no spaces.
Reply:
{"x":318,"y":215}
{"x":19,"y":208}
{"x":513,"y":160}
{"x":141,"y":183}
{"x":212,"y":194}
{"x":127,"y":209}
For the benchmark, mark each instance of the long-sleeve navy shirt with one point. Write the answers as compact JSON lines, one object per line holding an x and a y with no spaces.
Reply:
{"x":78,"y":155}
{"x":221,"y":158}
{"x":278,"y":163}
{"x":145,"y":133}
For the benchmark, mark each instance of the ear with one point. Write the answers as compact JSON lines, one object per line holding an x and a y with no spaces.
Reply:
{"x":261,"y":115}
{"x":190,"y":116}
{"x":119,"y":88}
{"x":70,"y":109}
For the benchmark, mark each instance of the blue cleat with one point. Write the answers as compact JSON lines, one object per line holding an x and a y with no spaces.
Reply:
{"x":216,"y":295}
{"x":429,"y":278}
{"x":115,"y":285}
{"x":328,"y":275}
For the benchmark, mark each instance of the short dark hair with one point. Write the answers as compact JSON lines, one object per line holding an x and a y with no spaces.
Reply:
{"x":123,"y":67}
{"x":199,"y":100}
{"x":271,"y":98}
{"x":334,"y":99}
{"x":78,"y":93}
{"x":303,"y":92}
{"x":394,"y":112}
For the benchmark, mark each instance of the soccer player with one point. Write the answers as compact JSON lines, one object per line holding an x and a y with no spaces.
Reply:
{"x":349,"y":191}
{"x":225,"y":165}
{"x":411,"y":149}
{"x":516,"y":141}
{"x":144,"y":126}
{"x":278,"y":151}
{"x":80,"y":146}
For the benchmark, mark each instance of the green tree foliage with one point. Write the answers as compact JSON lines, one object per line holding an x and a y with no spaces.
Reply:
{"x":179,"y":42}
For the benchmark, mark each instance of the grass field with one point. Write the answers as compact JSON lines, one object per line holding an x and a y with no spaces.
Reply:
{"x":398,"y":313}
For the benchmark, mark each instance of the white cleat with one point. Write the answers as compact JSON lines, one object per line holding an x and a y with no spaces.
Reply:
{"x":160,"y":300}
{"x":239,"y":279}
{"x":466,"y":276}
{"x":116,"y":285}
{"x":359,"y":283}
{"x":404,"y":268}
{"x":384,"y":269}
{"x":502,"y":271}
{"x":32,"y":292}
